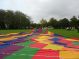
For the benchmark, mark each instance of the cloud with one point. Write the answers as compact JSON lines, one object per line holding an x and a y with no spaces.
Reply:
{"x":39,"y":9}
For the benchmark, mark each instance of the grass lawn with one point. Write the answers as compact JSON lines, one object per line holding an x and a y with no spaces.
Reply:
{"x":14,"y":31}
{"x":66,"y":33}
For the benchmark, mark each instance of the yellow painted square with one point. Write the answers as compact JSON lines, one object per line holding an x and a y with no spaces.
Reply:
{"x":53,"y":47}
{"x":69,"y":54}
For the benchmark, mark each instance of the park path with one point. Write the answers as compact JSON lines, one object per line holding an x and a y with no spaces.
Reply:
{"x":58,"y":47}
{"x":39,"y":47}
{"x":25,"y":52}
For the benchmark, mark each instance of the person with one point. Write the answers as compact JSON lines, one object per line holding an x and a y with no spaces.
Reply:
{"x":32,"y":29}
{"x":40,"y":30}
{"x":46,"y":30}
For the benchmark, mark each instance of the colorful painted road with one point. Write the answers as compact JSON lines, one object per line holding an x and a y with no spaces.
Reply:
{"x":43,"y":46}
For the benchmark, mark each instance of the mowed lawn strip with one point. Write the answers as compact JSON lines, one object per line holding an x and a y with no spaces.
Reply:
{"x":14,"y":31}
{"x":66,"y":33}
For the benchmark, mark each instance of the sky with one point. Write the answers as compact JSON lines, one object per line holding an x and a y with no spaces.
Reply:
{"x":38,"y":9}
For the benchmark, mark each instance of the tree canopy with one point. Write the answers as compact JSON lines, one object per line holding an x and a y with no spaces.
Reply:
{"x":13,"y":20}
{"x":17,"y":20}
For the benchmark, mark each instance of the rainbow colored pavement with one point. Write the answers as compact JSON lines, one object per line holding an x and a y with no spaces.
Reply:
{"x":43,"y":46}
{"x":8,"y":43}
{"x":54,"y":46}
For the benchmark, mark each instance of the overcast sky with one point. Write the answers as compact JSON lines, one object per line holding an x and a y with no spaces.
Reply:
{"x":39,"y":9}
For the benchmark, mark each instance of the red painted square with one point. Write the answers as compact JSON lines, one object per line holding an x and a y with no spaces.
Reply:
{"x":65,"y":41}
{"x":75,"y":38}
{"x":38,"y":45}
{"x":34,"y":40}
{"x":46,"y":54}
{"x":76,"y":47}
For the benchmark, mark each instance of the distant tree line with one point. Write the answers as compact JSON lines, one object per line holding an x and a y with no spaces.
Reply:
{"x":17,"y":20}
{"x":64,"y":23}
{"x":14,"y":20}
{"x":61,"y":24}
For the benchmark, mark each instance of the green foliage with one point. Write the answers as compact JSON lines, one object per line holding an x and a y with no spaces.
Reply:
{"x":53,"y":23}
{"x":64,"y":23}
{"x":74,"y":21}
{"x":13,"y":20}
{"x":34,"y":25}
{"x":43,"y":23}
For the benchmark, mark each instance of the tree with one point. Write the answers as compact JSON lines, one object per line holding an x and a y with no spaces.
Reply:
{"x":53,"y":22}
{"x":43,"y":23}
{"x":77,"y":26}
{"x":35,"y":25}
{"x":2,"y":19}
{"x":13,"y":20}
{"x":23,"y":20}
{"x":64,"y":23}
{"x":74,"y":21}
{"x":9,"y":19}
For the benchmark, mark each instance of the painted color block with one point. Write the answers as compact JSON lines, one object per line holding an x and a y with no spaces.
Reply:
{"x":69,"y":54}
{"x":46,"y":54}
{"x":38,"y":45}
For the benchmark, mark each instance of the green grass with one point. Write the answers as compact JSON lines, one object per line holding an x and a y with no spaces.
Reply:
{"x":14,"y":31}
{"x":66,"y":33}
